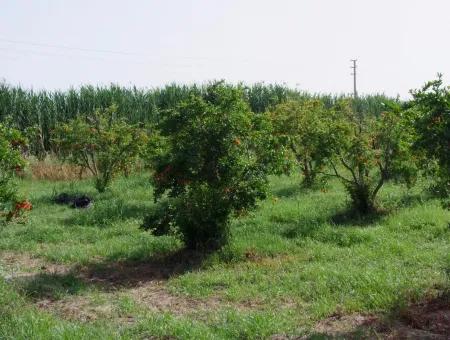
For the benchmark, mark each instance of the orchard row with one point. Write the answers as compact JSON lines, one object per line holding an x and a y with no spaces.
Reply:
{"x":211,"y":150}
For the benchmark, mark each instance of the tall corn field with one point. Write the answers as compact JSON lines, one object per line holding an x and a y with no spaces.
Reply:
{"x":38,"y":112}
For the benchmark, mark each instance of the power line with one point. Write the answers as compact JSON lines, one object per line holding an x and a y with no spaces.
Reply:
{"x":124,"y":53}
{"x":47,"y":54}
{"x":27,"y":52}
{"x":66,"y":47}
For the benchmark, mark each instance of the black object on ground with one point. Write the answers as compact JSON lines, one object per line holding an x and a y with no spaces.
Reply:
{"x":63,"y":198}
{"x":81,"y":202}
{"x":75,"y":201}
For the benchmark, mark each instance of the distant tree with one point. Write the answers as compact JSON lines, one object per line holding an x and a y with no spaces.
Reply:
{"x":303,"y":126}
{"x":101,"y":143}
{"x":367,"y":151}
{"x":215,"y":162}
{"x":432,"y":123}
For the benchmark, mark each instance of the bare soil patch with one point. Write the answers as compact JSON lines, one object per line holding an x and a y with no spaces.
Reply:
{"x":21,"y":265}
{"x":345,"y":324}
{"x":145,"y":282}
{"x":157,"y":298}
{"x":431,"y":316}
{"x":429,"y":319}
{"x":78,"y":308}
{"x":115,"y":275}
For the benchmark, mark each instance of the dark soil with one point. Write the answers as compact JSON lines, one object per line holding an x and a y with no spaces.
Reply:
{"x":428,"y":319}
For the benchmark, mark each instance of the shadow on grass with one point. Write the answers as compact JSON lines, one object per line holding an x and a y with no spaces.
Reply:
{"x":427,"y":319}
{"x":298,"y":189}
{"x":410,"y":200}
{"x":351,"y":217}
{"x":52,"y":286}
{"x":407,"y":200}
{"x":301,"y":229}
{"x":109,"y":276}
{"x":134,"y":273}
{"x":388,"y":205}
{"x":288,"y":191}
{"x":326,"y":234}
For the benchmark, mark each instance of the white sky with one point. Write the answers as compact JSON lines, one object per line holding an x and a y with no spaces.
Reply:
{"x":399,"y":44}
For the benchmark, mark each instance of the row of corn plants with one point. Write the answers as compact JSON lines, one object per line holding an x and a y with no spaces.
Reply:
{"x":37,"y":113}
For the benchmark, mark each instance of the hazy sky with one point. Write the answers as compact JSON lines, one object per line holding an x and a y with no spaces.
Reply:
{"x":399,"y":44}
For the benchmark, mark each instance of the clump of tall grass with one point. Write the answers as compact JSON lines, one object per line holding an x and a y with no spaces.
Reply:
{"x":52,"y":169}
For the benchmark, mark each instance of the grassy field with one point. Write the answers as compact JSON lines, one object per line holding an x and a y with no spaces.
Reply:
{"x":296,"y":260}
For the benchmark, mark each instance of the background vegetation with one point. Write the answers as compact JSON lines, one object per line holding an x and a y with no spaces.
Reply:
{"x":295,"y":260}
{"x":219,"y":167}
{"x":38,"y":112}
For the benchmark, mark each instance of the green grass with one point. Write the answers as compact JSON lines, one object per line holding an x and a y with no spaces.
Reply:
{"x":293,"y":261}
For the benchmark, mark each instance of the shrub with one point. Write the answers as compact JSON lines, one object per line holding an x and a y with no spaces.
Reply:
{"x":367,"y":151}
{"x":11,"y":161}
{"x":215,"y":162}
{"x":303,"y":127}
{"x":100,"y":143}
{"x":432,"y":123}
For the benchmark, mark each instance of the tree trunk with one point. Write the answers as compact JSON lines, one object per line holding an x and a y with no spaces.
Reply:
{"x":308,"y":174}
{"x":362,"y":199}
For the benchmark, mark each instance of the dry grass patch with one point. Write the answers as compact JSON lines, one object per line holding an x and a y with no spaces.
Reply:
{"x":428,"y":319}
{"x":157,"y":298}
{"x":79,"y":308}
{"x":339,"y":325}
{"x":55,"y":171}
{"x":15,"y":265}
{"x":67,"y":290}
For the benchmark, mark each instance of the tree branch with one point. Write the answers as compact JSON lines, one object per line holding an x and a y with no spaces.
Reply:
{"x":348,"y":167}
{"x":336,"y":174}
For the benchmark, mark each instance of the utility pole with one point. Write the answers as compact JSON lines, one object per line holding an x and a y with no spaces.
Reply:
{"x":355,"y":93}
{"x":360,"y":167}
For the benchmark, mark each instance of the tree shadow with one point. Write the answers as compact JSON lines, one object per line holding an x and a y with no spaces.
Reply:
{"x":352,"y":218}
{"x":324,"y":233}
{"x":112,"y":275}
{"x":46,"y":285}
{"x":407,"y":200}
{"x":427,"y":319}
{"x":298,"y":189}
{"x":109,"y":276}
{"x":413,"y":200}
{"x":301,"y":228}
{"x":288,"y":191}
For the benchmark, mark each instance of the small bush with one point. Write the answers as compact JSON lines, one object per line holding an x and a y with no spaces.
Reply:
{"x":100,"y":143}
{"x":11,"y":162}
{"x":303,"y":127}
{"x":432,"y":123}
{"x":214,"y":162}
{"x":369,"y":151}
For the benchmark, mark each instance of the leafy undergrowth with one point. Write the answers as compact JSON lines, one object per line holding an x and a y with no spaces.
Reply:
{"x":293,"y":264}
